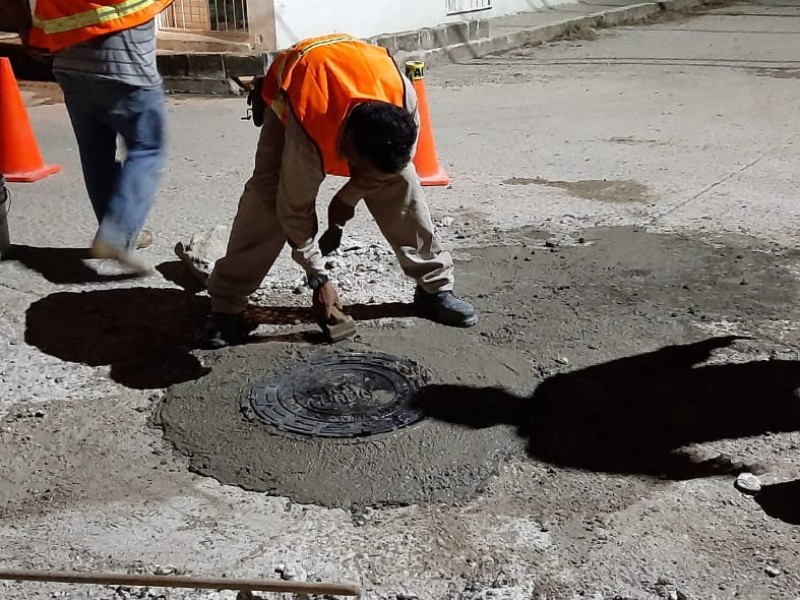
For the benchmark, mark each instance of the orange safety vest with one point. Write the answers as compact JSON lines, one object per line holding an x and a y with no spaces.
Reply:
{"x":321,"y":79}
{"x":58,"y":24}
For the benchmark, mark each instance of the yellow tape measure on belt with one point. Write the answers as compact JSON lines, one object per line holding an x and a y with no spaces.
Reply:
{"x":415,"y":69}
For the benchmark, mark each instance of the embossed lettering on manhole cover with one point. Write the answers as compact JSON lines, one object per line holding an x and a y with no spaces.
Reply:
{"x":343,"y":395}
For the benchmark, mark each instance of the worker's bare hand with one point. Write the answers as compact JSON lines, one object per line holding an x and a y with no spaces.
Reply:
{"x":330,"y":240}
{"x":325,"y":299}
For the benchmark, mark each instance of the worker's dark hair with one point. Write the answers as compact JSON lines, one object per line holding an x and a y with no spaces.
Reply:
{"x":383,"y":133}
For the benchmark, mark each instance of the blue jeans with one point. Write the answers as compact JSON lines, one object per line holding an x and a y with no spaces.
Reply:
{"x":121,"y":193}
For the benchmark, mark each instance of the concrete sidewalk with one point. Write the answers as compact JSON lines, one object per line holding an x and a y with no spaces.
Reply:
{"x":221,"y":73}
{"x":530,"y":28}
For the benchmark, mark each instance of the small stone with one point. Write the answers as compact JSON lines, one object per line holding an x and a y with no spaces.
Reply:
{"x":164,"y":570}
{"x":747,"y":483}
{"x":772,"y":571}
{"x":447,"y":221}
{"x":334,"y":264}
{"x":544,"y":526}
{"x":295,"y":573}
{"x":203,"y":250}
{"x":280,"y":568}
{"x":672,"y":595}
{"x":549,"y":244}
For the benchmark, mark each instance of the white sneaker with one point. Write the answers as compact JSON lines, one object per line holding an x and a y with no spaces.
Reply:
{"x":145,"y":240}
{"x":104,"y":250}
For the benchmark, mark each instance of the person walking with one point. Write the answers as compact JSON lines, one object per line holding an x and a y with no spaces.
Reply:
{"x":105,"y":62}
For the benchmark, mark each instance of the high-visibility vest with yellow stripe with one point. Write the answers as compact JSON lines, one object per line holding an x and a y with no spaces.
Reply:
{"x":58,"y":24}
{"x":319,"y":80}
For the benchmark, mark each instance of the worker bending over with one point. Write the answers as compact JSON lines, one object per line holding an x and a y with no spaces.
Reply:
{"x":338,"y":106}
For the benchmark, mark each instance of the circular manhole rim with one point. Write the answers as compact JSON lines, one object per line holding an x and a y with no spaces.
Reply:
{"x":263,"y":404}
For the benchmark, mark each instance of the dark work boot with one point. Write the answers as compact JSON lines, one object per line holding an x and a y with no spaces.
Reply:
{"x":225,"y":329}
{"x":444,"y":308}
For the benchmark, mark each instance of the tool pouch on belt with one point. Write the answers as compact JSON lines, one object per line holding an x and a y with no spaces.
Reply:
{"x":256,"y":101}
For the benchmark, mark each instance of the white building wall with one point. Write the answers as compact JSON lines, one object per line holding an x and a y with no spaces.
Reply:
{"x":299,"y":19}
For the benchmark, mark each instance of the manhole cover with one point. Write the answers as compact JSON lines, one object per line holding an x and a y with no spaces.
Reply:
{"x":342,"y":395}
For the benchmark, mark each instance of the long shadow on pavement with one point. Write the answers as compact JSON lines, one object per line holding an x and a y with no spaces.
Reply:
{"x":61,"y":265}
{"x":147,"y":335}
{"x":285,"y":315}
{"x":177,"y":273}
{"x":781,"y":501}
{"x":635,"y":414}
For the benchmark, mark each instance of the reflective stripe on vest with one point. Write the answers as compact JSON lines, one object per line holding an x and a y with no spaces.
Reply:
{"x":328,"y":42}
{"x":95,"y":16}
{"x":59,"y":24}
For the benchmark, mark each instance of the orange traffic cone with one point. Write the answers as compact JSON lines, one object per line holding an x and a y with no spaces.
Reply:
{"x":20,"y":159}
{"x":426,"y":161}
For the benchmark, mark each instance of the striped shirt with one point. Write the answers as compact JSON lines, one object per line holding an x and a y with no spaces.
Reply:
{"x":127,"y":56}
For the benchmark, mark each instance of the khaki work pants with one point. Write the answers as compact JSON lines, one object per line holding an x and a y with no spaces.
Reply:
{"x":257,"y":236}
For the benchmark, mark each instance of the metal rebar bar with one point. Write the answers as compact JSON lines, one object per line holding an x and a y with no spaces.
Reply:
{"x":200,"y":583}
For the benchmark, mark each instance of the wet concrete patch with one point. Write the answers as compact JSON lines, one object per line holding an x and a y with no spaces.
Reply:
{"x":604,"y":190}
{"x":547,"y":312}
{"x":431,"y":461}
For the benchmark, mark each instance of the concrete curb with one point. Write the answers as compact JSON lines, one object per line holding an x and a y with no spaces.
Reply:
{"x":536,"y":35}
{"x":218,"y":73}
